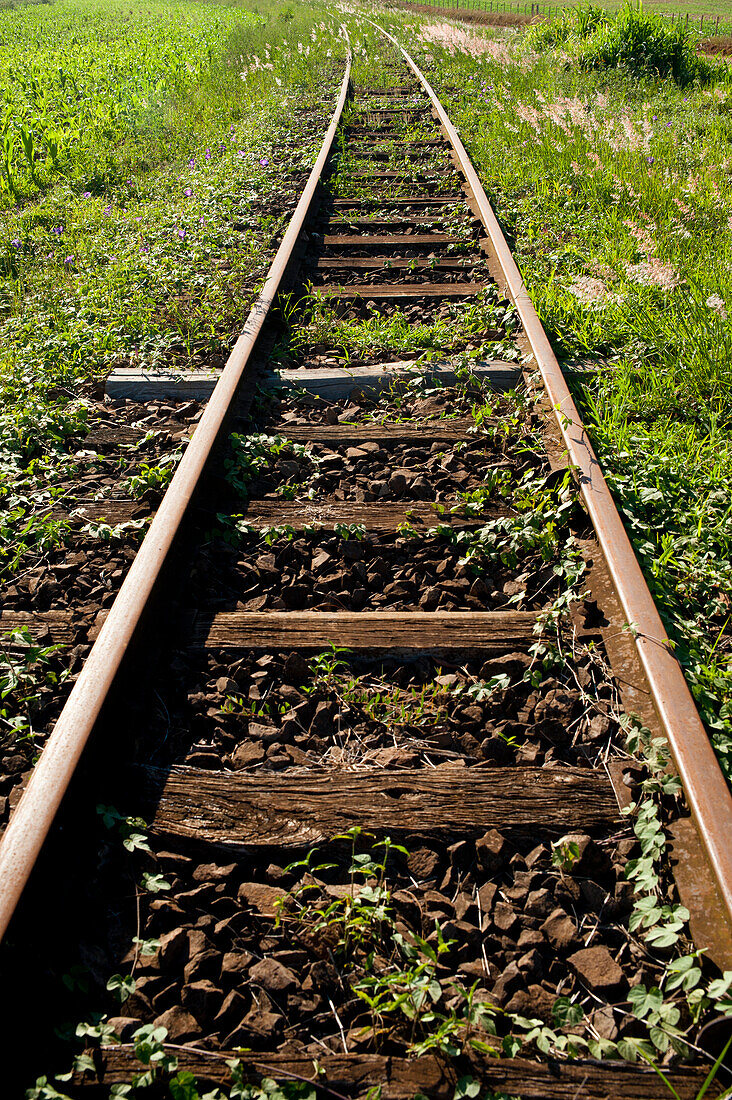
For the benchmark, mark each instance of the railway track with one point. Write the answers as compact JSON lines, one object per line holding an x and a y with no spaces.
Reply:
{"x":363,"y":824}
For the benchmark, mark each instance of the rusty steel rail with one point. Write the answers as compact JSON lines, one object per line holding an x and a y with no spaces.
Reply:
{"x":32,"y":819}
{"x":705,"y":787}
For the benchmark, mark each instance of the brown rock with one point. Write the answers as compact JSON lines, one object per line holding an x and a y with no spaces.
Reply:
{"x":361,"y":1037}
{"x":596,"y":967}
{"x":166,"y":998}
{"x":138,"y":1004}
{"x":213,"y":872}
{"x":264,"y":1024}
{"x":247,"y":754}
{"x":235,"y":963}
{"x":530,"y":937}
{"x":492,"y":851}
{"x":232,"y":1012}
{"x":323,"y":975}
{"x":504,"y":918}
{"x":465,"y":903}
{"x":173,"y":948}
{"x":486,"y":896}
{"x":539,"y":903}
{"x":560,"y":930}
{"x":507,"y":984}
{"x":179,"y":1024}
{"x":437,"y":902}
{"x":202,"y":999}
{"x":603,"y":1022}
{"x":197,"y":941}
{"x":474,"y":970}
{"x":124,"y":1026}
{"x":265,"y":734}
{"x":532,"y":1002}
{"x":273,"y":976}
{"x":531,"y":964}
{"x":590,"y":856}
{"x":205,"y":964}
{"x":260,"y":896}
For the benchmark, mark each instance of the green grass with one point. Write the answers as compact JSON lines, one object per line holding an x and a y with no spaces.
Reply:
{"x":613,"y":190}
{"x":154,"y":130}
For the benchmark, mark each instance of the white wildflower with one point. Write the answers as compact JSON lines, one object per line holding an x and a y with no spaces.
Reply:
{"x":717,"y":304}
{"x":589,"y":290}
{"x":653,"y":272}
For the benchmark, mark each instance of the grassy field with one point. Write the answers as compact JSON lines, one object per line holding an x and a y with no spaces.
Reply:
{"x":613,"y":186}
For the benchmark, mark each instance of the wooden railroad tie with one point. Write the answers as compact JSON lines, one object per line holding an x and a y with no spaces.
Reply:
{"x":401,"y":200}
{"x":402,"y":1078}
{"x":398,"y":263}
{"x":375,"y":516}
{"x":394,"y":291}
{"x":302,"y":807}
{"x":391,"y":240}
{"x":481,"y":632}
{"x":333,"y":382}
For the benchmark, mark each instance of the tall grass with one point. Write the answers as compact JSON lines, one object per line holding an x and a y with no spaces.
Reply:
{"x":612,"y":183}
{"x":641,"y":42}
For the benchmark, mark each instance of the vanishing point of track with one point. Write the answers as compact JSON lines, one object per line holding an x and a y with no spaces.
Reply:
{"x":408,"y":238}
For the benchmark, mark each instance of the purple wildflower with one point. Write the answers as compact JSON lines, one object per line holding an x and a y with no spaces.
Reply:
{"x":86,"y":195}
{"x":182,"y":234}
{"x":264,"y":162}
{"x":191,"y":163}
{"x":15,"y":243}
{"x":208,"y":154}
{"x":58,"y":230}
{"x":69,"y":260}
{"x":188,"y":192}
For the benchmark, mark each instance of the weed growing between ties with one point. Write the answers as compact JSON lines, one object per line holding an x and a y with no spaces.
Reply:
{"x":390,"y":942}
{"x":613,"y":190}
{"x":29,"y":674}
{"x":480,"y":329}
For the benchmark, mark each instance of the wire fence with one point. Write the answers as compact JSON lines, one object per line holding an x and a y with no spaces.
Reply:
{"x":705,"y":24}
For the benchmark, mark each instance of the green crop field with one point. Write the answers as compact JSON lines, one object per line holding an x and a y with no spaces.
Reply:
{"x":132,"y":139}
